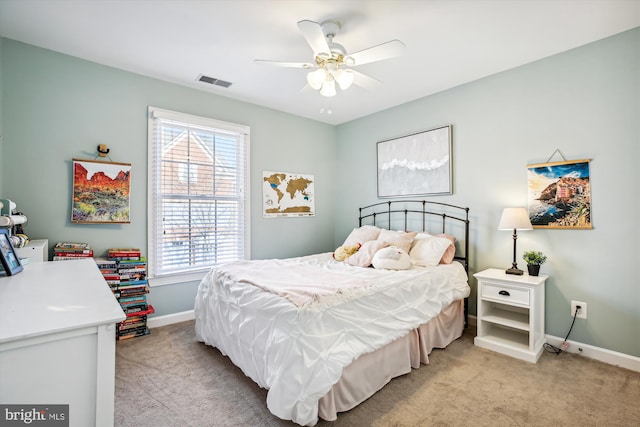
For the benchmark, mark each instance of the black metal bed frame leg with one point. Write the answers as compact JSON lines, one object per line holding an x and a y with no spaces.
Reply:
{"x":466,"y":312}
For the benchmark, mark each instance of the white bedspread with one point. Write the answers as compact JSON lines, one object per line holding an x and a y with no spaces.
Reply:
{"x":298,"y":353}
{"x":303,"y":283}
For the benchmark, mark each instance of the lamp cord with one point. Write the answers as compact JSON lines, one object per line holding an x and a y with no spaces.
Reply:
{"x":553,"y":349}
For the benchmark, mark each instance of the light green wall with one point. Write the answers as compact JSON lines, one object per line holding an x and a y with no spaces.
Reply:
{"x":59,"y":107}
{"x":585,"y":103}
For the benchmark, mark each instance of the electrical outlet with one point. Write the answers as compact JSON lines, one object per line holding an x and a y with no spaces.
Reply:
{"x":582,"y":312}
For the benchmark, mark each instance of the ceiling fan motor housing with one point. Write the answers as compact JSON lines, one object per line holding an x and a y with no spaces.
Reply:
{"x":338,"y":52}
{"x":330,"y":28}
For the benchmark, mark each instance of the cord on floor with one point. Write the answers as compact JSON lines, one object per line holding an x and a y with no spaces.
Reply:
{"x":557,"y":350}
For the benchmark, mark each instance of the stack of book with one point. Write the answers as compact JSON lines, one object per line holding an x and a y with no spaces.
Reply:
{"x":63,"y":251}
{"x":124,"y":254}
{"x":125,"y":270}
{"x":109,"y":270}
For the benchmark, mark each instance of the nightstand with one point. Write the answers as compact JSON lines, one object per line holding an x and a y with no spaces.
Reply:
{"x":510,"y":316}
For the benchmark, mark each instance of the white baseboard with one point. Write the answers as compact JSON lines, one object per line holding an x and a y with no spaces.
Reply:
{"x":598,"y":353}
{"x":168,"y":319}
{"x":592,"y":352}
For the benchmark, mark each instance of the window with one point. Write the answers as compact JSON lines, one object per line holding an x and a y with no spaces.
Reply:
{"x":190,"y":169}
{"x":198,"y":193}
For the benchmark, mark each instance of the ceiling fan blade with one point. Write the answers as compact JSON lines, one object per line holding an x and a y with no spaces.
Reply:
{"x":365,"y":81}
{"x":312,"y":32}
{"x":377,"y":53}
{"x":282,"y":64}
{"x":306,"y":88}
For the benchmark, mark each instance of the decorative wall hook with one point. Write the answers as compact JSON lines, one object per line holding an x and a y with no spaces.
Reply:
{"x":103,"y":150}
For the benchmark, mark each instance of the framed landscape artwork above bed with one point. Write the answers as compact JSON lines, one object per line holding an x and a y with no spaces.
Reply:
{"x":416,"y":165}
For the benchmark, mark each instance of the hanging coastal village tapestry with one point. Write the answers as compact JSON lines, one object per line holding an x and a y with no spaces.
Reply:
{"x":287,"y":194}
{"x":560,"y":195}
{"x":100,"y":192}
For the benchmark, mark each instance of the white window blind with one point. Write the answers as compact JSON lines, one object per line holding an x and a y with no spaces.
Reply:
{"x":198,"y":192}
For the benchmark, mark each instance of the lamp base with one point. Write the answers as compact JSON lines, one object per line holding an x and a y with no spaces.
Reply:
{"x":515,"y":271}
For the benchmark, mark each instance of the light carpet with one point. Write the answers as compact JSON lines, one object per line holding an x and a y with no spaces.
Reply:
{"x":169,"y":379}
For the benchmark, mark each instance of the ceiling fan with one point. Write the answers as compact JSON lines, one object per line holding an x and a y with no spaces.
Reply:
{"x":331,"y":63}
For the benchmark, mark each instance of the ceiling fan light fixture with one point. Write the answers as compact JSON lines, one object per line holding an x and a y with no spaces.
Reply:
{"x":317,"y":78}
{"x":344,"y":78}
{"x":328,"y":88}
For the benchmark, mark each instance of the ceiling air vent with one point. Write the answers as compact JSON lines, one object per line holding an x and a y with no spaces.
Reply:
{"x":213,"y":81}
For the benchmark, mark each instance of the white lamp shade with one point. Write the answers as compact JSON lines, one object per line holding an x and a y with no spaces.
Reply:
{"x":515,"y":219}
{"x":316,"y":78}
{"x":344,"y":78}
{"x":328,"y":88}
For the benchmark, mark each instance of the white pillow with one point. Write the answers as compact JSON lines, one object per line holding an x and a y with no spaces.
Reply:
{"x":362,"y":234}
{"x":427,"y":250}
{"x":391,"y":258}
{"x":423,"y":235}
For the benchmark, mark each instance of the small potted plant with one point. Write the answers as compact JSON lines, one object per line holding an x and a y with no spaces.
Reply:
{"x":534,"y":259}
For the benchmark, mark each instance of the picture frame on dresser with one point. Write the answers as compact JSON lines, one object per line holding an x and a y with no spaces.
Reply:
{"x":8,"y":256}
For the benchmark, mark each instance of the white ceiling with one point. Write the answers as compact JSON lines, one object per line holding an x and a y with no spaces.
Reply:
{"x":448,"y":42}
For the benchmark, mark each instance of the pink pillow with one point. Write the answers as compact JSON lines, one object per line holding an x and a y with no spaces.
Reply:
{"x":447,"y":257}
{"x":364,"y":256}
{"x":400,"y":239}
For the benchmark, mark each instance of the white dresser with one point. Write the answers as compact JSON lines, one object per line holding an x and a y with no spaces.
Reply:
{"x":57,"y":340}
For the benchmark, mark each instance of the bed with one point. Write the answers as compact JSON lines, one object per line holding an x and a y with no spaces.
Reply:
{"x":323,"y":335}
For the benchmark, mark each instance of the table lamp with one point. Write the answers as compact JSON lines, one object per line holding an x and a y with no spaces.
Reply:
{"x":515,"y":219}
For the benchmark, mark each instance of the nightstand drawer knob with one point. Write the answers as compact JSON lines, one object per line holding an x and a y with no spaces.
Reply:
{"x":505,"y":293}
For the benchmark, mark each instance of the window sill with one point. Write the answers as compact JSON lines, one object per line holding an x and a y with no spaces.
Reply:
{"x":174,"y":279}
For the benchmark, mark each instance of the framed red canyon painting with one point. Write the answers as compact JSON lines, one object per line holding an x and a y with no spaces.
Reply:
{"x":100,"y":192}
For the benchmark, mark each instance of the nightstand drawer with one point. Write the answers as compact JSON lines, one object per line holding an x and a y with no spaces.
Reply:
{"x":505,"y":294}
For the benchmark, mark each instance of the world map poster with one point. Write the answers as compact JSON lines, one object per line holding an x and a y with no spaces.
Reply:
{"x":287,"y":194}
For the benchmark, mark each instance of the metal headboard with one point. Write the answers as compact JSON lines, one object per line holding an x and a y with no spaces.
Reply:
{"x":425,"y":215}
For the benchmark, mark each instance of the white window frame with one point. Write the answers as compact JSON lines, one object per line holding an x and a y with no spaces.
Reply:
{"x":158,"y":278}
